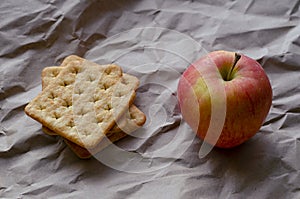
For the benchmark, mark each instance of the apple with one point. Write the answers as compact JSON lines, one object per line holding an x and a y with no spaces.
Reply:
{"x":224,"y":97}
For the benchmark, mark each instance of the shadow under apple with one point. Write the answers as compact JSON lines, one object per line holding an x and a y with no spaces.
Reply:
{"x":249,"y":166}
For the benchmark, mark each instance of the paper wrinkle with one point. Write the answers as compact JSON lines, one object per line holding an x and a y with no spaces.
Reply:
{"x":35,"y":34}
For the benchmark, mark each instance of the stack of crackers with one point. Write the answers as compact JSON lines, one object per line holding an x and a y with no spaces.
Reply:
{"x":89,"y":105}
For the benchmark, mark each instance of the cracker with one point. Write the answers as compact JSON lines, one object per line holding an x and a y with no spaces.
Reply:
{"x":130,"y":121}
{"x":67,"y":107}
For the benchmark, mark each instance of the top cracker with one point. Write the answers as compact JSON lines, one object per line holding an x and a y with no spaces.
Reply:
{"x":83,"y":102}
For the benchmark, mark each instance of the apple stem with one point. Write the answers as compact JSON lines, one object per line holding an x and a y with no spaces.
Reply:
{"x":237,"y":57}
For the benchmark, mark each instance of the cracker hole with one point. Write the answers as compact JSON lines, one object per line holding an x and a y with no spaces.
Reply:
{"x":104,"y":86}
{"x":95,"y":99}
{"x":107,"y":107}
{"x":70,"y":124}
{"x":78,"y":91}
{"x":91,"y":78}
{"x":54,"y":73}
{"x":56,"y":115}
{"x":82,"y":112}
{"x":67,"y":104}
{"x":41,"y":107}
{"x":108,"y":71}
{"x":52,"y":96}
{"x":75,"y":70}
{"x":132,"y":116}
{"x":100,"y":121}
{"x":118,"y":94}
{"x":86,"y":133}
{"x":124,"y":81}
{"x":65,"y":83}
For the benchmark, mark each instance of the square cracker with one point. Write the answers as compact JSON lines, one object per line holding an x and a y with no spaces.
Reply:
{"x":129,"y":122}
{"x":83,"y":102}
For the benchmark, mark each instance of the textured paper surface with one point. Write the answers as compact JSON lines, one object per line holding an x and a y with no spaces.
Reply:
{"x":36,"y":34}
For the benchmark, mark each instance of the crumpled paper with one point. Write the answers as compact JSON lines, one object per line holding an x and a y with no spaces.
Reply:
{"x":156,"y":41}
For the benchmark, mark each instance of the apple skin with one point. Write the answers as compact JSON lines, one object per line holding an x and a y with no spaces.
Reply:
{"x":248,"y":95}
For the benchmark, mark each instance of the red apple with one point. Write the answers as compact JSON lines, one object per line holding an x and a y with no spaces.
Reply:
{"x":226,"y":92}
